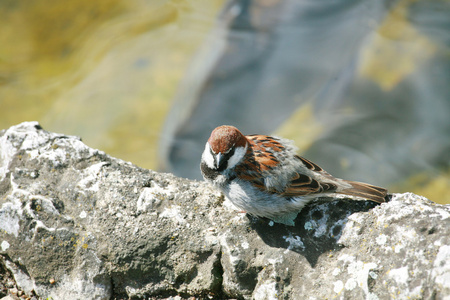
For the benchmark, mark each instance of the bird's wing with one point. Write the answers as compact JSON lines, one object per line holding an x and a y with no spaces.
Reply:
{"x":302,"y":184}
{"x":269,"y":167}
{"x":321,"y":182}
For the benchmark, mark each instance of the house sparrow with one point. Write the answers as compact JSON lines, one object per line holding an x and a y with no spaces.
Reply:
{"x":264,"y":176}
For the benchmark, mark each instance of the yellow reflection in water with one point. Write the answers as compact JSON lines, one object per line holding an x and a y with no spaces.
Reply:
{"x":396,"y":50}
{"x":434,"y":188}
{"x":104,"y":70}
{"x":302,"y":128}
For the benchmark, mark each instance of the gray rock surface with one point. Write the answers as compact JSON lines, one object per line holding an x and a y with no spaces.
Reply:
{"x":76,"y":223}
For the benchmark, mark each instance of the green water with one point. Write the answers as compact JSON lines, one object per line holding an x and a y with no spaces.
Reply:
{"x":103,"y":70}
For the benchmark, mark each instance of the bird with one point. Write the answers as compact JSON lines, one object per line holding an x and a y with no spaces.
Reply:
{"x":265,"y":177}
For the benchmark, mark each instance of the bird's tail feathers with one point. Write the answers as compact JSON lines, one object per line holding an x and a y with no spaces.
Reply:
{"x":366,"y":191}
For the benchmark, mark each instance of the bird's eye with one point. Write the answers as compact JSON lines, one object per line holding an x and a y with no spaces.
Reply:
{"x":230,"y":152}
{"x":229,"y":149}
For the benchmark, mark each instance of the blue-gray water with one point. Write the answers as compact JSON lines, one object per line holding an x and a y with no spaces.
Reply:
{"x":373,"y":77}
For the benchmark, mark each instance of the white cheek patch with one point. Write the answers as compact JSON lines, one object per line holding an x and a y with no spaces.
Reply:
{"x":236,"y":157}
{"x":207,"y":157}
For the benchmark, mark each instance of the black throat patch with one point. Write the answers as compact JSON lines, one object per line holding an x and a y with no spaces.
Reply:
{"x":207,"y":172}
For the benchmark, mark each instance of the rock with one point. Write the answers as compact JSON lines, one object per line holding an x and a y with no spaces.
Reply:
{"x":76,"y":223}
{"x":9,"y":297}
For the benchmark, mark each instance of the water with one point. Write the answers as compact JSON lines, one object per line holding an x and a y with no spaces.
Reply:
{"x":103,"y":70}
{"x":361,"y":86}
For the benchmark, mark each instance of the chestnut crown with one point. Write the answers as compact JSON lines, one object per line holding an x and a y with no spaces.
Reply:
{"x":224,"y":138}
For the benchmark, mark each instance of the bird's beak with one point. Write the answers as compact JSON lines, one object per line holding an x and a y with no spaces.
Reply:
{"x":219,"y":157}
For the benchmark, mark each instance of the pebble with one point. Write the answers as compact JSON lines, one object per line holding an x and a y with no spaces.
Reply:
{"x":9,"y":284}
{"x":13,"y":291}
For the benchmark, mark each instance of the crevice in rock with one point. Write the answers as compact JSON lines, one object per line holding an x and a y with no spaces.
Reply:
{"x":217,"y":272}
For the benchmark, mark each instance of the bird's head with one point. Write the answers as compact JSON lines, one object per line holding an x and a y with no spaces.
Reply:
{"x":225,"y":148}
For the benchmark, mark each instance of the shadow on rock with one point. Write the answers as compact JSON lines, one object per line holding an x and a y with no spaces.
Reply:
{"x":317,"y":229}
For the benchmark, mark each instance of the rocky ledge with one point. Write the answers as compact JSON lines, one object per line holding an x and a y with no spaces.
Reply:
{"x":76,"y":223}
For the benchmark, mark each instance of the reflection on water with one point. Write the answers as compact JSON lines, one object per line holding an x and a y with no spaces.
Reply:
{"x":361,"y":86}
{"x":103,"y":70}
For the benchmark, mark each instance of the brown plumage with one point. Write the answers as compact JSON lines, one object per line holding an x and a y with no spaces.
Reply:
{"x":261,"y":161}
